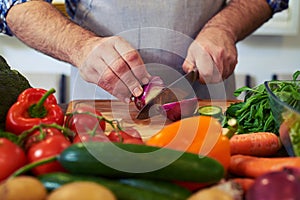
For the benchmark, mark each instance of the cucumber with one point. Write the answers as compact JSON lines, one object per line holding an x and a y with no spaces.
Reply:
{"x":118,"y":160}
{"x":163,"y":187}
{"x":122,"y":191}
{"x":209,"y":110}
{"x":213,"y":111}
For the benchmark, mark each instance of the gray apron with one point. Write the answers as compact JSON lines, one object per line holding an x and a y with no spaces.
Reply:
{"x":161,"y":30}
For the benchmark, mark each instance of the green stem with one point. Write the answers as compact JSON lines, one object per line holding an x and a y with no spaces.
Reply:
{"x":93,"y":132}
{"x":30,"y":166}
{"x":110,"y":122}
{"x":38,"y":110}
{"x":231,"y":129}
{"x":23,"y":135}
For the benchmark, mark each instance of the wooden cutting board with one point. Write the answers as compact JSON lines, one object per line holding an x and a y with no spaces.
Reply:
{"x":126,"y":113}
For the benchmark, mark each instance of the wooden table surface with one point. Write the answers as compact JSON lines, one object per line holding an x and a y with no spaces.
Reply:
{"x":126,"y":113}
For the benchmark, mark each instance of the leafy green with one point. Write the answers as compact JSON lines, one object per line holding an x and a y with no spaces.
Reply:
{"x":254,"y":114}
{"x":12,"y":83}
{"x":295,"y":137}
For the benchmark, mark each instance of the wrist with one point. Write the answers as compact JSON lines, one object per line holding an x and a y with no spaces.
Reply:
{"x":219,"y":29}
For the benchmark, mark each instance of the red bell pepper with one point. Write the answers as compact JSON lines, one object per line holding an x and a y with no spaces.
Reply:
{"x":33,"y":107}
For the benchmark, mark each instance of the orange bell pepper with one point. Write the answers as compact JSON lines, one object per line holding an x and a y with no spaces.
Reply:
{"x":200,"y":135}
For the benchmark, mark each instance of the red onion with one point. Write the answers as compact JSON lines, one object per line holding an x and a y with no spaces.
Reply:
{"x":179,"y":109}
{"x":278,"y":185}
{"x":174,"y":110}
{"x":155,"y":85}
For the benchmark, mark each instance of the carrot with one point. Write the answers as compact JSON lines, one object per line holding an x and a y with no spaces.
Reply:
{"x":252,"y":167}
{"x":255,"y":144}
{"x":245,"y":183}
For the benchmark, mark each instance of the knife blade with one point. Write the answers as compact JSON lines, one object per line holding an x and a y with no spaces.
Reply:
{"x":176,"y":91}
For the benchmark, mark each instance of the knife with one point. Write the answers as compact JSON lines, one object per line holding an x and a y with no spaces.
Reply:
{"x":178,"y":90}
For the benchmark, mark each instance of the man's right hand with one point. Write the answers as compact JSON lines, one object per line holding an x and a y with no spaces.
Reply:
{"x":114,"y":65}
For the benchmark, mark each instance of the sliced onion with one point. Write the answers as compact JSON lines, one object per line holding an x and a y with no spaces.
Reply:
{"x":154,"y":86}
{"x":179,"y":109}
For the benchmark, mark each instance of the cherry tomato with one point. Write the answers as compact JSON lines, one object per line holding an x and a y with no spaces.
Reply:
{"x":85,"y":137}
{"x":133,"y":141}
{"x":37,"y":136}
{"x":128,"y":135}
{"x":83,"y":119}
{"x":48,"y":147}
{"x":132,"y":132}
{"x":12,"y":157}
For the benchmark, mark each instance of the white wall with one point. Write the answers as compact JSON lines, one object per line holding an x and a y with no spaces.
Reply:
{"x":41,"y":71}
{"x":27,"y":60}
{"x":272,"y":49}
{"x":262,"y":56}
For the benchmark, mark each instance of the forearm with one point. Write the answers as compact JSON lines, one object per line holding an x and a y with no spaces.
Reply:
{"x":241,"y":17}
{"x":39,"y":25}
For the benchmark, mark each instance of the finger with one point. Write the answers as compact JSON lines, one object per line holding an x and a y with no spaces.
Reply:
{"x":92,"y":69}
{"x":119,"y":66}
{"x":229,"y":66}
{"x":188,"y":66}
{"x":121,"y":69}
{"x":99,"y":73}
{"x":217,"y":75}
{"x":205,"y":67}
{"x":112,"y":83}
{"x":134,"y":61}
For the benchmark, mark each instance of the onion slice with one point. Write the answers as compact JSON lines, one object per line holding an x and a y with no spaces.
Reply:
{"x":154,"y":86}
{"x":179,"y":109}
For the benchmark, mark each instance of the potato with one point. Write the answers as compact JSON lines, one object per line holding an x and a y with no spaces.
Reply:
{"x":81,"y":190}
{"x":210,"y":194}
{"x":22,"y":188}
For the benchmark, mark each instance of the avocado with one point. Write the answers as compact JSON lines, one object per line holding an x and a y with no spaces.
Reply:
{"x":12,"y":84}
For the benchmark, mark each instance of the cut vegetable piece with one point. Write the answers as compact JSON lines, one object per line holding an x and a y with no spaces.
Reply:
{"x":179,"y":109}
{"x":209,"y":110}
{"x":155,"y":86}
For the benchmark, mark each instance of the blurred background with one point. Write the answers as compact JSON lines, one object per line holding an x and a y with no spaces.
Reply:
{"x":272,"y":52}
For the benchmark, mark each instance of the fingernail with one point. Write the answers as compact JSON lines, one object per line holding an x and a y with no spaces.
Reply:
{"x":145,"y":81}
{"x":137,"y":91}
{"x":127,"y":100}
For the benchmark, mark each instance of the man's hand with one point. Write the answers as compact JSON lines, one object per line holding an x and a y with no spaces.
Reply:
{"x":213,"y":53}
{"x":114,"y":65}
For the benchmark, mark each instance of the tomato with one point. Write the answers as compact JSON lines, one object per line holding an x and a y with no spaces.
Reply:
{"x":128,"y":135}
{"x":12,"y":157}
{"x":133,"y":141}
{"x":85,"y":137}
{"x":85,"y":118}
{"x":50,"y":146}
{"x":118,"y":136}
{"x":37,"y":136}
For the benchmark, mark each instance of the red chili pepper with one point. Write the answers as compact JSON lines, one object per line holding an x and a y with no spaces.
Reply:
{"x":34,"y":106}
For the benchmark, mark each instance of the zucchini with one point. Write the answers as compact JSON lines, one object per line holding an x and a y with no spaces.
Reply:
{"x":119,"y":160}
{"x":122,"y":191}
